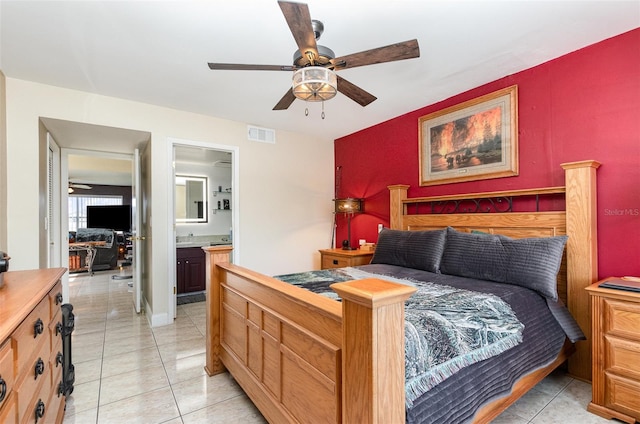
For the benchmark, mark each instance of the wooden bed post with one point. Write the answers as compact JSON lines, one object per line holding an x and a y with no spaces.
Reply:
{"x":397,"y":194}
{"x":373,"y":350}
{"x":214,"y":256}
{"x":582,"y":254}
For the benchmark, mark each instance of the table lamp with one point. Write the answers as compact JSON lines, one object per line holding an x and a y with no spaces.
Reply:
{"x":348,"y":206}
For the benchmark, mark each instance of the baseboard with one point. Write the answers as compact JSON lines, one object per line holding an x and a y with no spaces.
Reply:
{"x":157,"y":320}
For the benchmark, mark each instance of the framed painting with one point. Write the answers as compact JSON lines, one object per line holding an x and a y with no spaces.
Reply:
{"x":474,"y":140}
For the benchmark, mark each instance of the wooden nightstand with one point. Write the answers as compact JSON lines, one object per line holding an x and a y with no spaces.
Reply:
{"x":615,"y":327}
{"x":338,"y":258}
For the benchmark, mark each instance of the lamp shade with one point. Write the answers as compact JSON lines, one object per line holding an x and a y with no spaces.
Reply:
{"x":349,"y":205}
{"x":315,"y":84}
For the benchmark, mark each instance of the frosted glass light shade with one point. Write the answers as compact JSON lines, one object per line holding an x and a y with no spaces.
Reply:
{"x":315,"y":84}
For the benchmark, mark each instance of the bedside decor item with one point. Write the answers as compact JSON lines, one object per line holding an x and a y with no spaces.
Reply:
{"x":368,"y":247}
{"x":348,"y":206}
{"x":4,"y":266}
{"x":474,"y":140}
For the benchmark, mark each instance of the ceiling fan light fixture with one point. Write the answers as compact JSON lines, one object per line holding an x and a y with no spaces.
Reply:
{"x":315,"y":84}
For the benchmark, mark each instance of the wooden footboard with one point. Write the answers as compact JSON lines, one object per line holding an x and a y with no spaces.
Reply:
{"x":294,"y":354}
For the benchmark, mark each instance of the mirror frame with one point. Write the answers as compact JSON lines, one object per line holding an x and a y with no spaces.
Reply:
{"x":205,"y":202}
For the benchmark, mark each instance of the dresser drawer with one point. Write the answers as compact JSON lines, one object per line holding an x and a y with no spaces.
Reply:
{"x":622,"y":357}
{"x":30,"y":334}
{"x":622,"y":395}
{"x":7,"y":379}
{"x":329,"y":262}
{"x":622,"y":319}
{"x":55,"y":332}
{"x":36,"y":410}
{"x":56,"y":396}
{"x":8,"y":411}
{"x":36,"y":377}
{"x":55,"y":299}
{"x":55,"y":407}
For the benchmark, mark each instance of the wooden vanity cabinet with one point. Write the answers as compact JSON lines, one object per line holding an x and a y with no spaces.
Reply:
{"x":190,"y":270}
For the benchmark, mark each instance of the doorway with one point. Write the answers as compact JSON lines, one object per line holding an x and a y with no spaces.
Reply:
{"x":105,"y":146}
{"x":213,"y":169}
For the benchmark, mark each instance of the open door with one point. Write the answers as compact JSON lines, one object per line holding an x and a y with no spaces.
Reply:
{"x":136,"y":232}
{"x":53,"y":203}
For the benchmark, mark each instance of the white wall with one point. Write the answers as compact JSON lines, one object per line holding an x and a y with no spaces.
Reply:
{"x":285,"y":189}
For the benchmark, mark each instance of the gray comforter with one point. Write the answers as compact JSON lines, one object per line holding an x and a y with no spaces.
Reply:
{"x":456,"y":398}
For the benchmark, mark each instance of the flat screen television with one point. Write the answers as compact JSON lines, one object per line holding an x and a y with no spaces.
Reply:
{"x":116,"y":218}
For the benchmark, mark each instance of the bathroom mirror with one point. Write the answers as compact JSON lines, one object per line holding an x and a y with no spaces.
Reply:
{"x":191,"y":199}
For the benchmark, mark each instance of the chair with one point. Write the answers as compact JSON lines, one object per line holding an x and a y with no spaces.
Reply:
{"x":106,"y":256}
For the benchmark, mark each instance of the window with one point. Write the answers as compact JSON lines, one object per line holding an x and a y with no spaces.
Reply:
{"x":78,"y":208}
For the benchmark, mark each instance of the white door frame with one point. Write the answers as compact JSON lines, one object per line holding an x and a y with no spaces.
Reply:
{"x":137,"y":231}
{"x":235,"y":200}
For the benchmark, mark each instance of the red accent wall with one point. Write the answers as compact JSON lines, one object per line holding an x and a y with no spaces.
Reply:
{"x":584,"y":105}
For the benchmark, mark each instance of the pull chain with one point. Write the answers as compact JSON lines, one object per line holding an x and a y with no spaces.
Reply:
{"x":306,"y":111}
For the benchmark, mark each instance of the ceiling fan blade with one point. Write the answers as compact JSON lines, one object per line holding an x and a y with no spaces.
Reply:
{"x":399,"y":51}
{"x":299,"y":21}
{"x":285,"y":101}
{"x":354,"y":92}
{"x":242,"y":67}
{"x":82,"y":186}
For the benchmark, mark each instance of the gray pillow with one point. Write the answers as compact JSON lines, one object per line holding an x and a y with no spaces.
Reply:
{"x":410,"y":249}
{"x":529,"y":262}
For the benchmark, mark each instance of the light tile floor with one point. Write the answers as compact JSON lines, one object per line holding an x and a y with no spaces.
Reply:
{"x":127,"y":372}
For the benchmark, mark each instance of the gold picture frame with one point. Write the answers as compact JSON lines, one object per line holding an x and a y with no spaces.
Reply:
{"x":474,"y":140}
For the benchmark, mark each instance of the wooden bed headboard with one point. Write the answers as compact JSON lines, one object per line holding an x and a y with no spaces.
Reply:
{"x":578,"y":221}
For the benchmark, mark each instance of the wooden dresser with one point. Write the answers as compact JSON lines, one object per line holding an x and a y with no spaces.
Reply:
{"x":31,"y":347}
{"x":338,"y":258}
{"x":615,"y":328}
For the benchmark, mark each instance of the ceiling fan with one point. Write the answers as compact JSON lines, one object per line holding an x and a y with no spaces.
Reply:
{"x":73,"y":186}
{"x":314,"y":65}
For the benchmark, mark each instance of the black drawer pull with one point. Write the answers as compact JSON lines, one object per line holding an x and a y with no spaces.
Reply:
{"x":59,"y":359}
{"x":39,"y":368}
{"x":58,"y":298}
{"x":335,"y":262}
{"x":3,"y":389}
{"x":58,"y":328}
{"x":39,"y":411}
{"x":38,"y":328}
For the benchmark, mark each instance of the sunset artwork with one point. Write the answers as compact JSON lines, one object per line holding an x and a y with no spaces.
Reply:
{"x":470,"y":141}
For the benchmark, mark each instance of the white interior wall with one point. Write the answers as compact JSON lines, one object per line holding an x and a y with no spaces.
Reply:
{"x":286,"y":188}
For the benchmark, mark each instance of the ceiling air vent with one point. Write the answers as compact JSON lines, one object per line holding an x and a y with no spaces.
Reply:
{"x":263,"y":135}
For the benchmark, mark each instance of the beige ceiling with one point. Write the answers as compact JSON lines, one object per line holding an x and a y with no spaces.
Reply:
{"x":157,"y":51}
{"x":90,"y":170}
